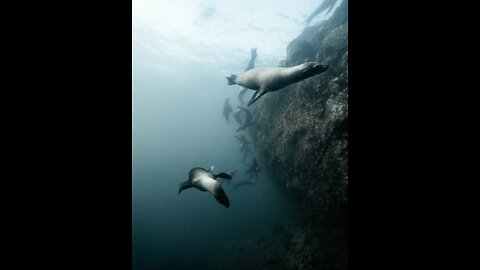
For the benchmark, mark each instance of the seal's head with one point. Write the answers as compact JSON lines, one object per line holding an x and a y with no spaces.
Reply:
{"x":313,"y":68}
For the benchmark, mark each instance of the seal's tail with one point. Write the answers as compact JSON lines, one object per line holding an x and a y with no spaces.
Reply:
{"x":231,"y":173}
{"x":232,"y":79}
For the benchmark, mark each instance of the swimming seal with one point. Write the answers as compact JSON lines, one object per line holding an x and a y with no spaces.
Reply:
{"x":264,"y":80}
{"x":253,"y":170}
{"x":327,"y":4}
{"x":227,"y":110}
{"x":242,"y":139}
{"x":250,"y":65}
{"x":245,"y":149}
{"x":251,"y":175}
{"x":231,"y":173}
{"x":204,"y":180}
{"x":247,"y":119}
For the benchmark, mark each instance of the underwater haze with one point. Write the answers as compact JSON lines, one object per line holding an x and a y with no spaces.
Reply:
{"x":181,"y":53}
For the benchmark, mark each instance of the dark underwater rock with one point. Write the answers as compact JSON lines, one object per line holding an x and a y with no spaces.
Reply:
{"x":301,"y":136}
{"x":301,"y":132}
{"x":298,"y":51}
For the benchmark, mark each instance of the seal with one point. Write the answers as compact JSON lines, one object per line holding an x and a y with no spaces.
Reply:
{"x":227,"y":110}
{"x":231,"y":173}
{"x":264,"y":80}
{"x":247,"y":119}
{"x":327,"y":4}
{"x":242,"y":139}
{"x":251,"y":175}
{"x":245,"y":149}
{"x":253,"y":170}
{"x":204,"y":180}
{"x":250,"y":65}
{"x":253,"y":56}
{"x":238,"y":116}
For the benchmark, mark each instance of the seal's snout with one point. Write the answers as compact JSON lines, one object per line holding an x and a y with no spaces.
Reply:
{"x":321,"y":68}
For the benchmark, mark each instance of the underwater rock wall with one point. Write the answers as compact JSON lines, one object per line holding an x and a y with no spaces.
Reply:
{"x":300,"y":135}
{"x":300,"y":132}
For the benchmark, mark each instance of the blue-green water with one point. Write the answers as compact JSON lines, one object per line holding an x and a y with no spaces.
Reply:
{"x":178,"y":125}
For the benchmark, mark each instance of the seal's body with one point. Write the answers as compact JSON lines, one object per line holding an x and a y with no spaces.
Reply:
{"x":251,"y":175}
{"x":250,"y":65}
{"x":227,"y":110}
{"x":204,"y":180}
{"x":253,"y":170}
{"x":247,"y":119}
{"x":245,"y":150}
{"x":264,"y":80}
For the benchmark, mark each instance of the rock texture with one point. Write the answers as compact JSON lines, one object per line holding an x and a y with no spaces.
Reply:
{"x":300,"y":135}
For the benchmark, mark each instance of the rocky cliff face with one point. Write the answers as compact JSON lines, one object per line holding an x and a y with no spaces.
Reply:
{"x":300,"y":135}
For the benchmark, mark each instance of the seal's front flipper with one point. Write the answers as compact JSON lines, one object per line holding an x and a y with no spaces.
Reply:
{"x":184,"y":185}
{"x":220,"y":196}
{"x":232,"y":79}
{"x":223,"y":175}
{"x":257,"y":95}
{"x":240,"y":128}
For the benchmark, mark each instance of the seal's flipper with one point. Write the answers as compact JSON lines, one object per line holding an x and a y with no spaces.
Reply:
{"x":257,"y":95}
{"x":253,"y":53}
{"x":220,"y":196}
{"x":184,"y":185}
{"x":238,"y":117}
{"x":232,"y":79}
{"x":223,"y":175}
{"x":231,"y":173}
